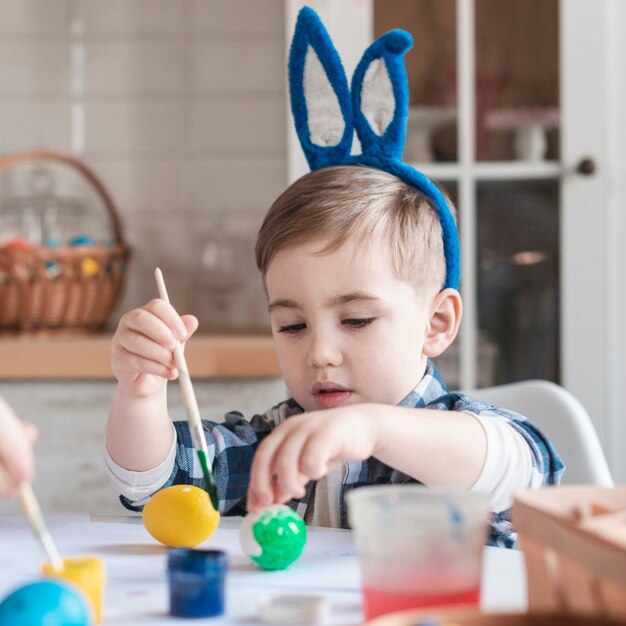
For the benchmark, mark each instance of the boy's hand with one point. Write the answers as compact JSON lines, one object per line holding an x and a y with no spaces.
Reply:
{"x":305,"y":448}
{"x":142,"y":356}
{"x":16,"y":451}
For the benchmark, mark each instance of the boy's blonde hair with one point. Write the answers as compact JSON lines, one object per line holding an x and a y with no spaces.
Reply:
{"x":365,"y":205}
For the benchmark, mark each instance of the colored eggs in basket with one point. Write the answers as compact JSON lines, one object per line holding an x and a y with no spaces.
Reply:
{"x":274,"y":537}
{"x":181,"y":516}
{"x":81,"y":240}
{"x":45,"y":602}
{"x":18,"y":243}
{"x":90,"y":267}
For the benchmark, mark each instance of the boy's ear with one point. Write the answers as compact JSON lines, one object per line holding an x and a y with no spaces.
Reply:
{"x":443,"y":325}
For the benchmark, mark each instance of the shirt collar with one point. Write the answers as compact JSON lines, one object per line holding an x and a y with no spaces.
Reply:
{"x":430,"y":388}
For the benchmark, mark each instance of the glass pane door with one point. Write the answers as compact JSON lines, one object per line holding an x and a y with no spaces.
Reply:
{"x":484,"y":122}
{"x":430,"y":64}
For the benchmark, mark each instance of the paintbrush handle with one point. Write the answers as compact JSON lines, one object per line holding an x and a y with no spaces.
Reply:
{"x":189,"y":400}
{"x":33,"y":514}
{"x":186,"y":388}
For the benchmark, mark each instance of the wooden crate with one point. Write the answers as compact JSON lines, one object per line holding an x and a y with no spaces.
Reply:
{"x":574,"y":543}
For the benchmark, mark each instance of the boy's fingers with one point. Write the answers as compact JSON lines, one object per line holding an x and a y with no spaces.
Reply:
{"x":314,"y":457}
{"x":260,"y":487}
{"x":138,"y":365}
{"x":286,"y":465}
{"x":145,"y":322}
{"x":144,"y":347}
{"x":252,"y":503}
{"x":169,"y":316}
{"x":191,"y":324}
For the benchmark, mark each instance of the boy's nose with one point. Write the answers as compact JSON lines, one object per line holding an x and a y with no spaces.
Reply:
{"x":323,"y":352}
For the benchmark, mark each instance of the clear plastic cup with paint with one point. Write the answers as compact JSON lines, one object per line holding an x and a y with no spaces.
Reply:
{"x":418,"y":547}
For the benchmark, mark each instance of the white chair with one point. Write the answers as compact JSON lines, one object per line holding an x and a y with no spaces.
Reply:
{"x":564,"y":421}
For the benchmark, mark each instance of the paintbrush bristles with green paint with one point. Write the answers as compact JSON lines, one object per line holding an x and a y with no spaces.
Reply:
{"x":191,"y":406}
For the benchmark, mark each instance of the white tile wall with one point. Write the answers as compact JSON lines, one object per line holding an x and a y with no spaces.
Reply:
{"x":239,"y":66}
{"x":237,"y":17}
{"x":33,"y":18}
{"x":144,"y":186}
{"x":132,"y":17}
{"x":235,"y":183}
{"x":135,"y":127}
{"x":184,"y":120}
{"x":244,"y":126}
{"x":27,"y":123}
{"x":129,"y":68}
{"x":33,"y":68}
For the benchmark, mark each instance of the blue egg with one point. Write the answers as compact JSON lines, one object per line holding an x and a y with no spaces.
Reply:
{"x":45,"y":602}
{"x":81,"y":240}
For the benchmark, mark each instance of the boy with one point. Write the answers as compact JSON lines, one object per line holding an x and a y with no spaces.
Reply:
{"x":16,"y":451}
{"x":353,"y":266}
{"x":360,"y":265}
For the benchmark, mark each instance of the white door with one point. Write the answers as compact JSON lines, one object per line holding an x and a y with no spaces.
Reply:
{"x":593,"y":77}
{"x":531,"y":151}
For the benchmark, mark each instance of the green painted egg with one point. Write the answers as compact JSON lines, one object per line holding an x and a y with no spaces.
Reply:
{"x":274,"y":537}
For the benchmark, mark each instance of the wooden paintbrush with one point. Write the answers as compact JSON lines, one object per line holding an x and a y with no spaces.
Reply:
{"x":35,"y":517}
{"x":191,"y":406}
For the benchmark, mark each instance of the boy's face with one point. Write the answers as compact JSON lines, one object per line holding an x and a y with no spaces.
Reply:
{"x":347,"y":330}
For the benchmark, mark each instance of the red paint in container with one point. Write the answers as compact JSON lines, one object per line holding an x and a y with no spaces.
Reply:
{"x":382,"y":601}
{"x":418,"y":547}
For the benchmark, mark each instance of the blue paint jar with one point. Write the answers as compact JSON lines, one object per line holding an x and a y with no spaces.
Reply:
{"x":196,"y":579}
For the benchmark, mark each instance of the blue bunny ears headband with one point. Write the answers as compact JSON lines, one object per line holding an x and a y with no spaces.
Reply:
{"x":326,"y":113}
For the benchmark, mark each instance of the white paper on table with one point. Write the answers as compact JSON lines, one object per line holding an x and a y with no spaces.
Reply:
{"x":54,"y":521}
{"x":132,"y":555}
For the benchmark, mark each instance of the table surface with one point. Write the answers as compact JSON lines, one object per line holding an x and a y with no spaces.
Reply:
{"x":136,"y":591}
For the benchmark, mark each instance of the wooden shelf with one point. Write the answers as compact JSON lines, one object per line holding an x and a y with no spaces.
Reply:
{"x":88,"y":357}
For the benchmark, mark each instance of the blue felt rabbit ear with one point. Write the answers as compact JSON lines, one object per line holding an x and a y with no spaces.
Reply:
{"x":320,"y":96}
{"x":380,"y":96}
{"x":325,"y":116}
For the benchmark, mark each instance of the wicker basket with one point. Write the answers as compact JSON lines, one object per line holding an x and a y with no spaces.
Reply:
{"x":87,"y":281}
{"x":574,"y":543}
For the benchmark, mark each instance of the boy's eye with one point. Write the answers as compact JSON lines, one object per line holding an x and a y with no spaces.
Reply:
{"x":292,"y":329}
{"x":358,"y":322}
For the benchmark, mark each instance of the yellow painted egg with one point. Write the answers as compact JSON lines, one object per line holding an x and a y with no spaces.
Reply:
{"x":181,"y":516}
{"x":90,"y":267}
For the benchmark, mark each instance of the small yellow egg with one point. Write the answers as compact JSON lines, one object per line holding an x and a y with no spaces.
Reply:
{"x":181,"y":516}
{"x":90,"y":267}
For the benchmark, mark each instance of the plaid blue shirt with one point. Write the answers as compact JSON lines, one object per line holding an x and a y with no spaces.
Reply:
{"x":232,"y":445}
